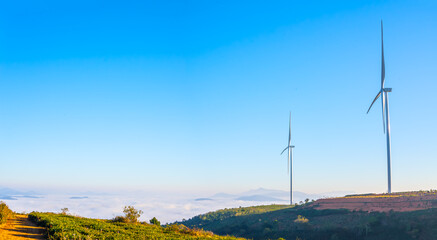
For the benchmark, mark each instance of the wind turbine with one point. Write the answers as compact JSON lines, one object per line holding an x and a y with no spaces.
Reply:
{"x":290,"y":160}
{"x":383,"y":92}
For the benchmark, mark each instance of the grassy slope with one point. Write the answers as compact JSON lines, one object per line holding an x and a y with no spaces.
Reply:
{"x":273,"y":222}
{"x":69,"y":227}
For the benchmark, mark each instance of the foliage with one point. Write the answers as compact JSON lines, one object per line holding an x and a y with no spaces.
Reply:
{"x":61,"y":226}
{"x":234,"y":212}
{"x":301,"y":219}
{"x":131,"y":214}
{"x":119,"y":219}
{"x":325,"y":224}
{"x":64,"y":211}
{"x":5,"y":212}
{"x":155,"y":221}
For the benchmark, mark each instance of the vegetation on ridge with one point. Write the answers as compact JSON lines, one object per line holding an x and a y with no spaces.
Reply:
{"x":5,"y":212}
{"x":234,"y":212}
{"x":421,"y":193}
{"x":303,"y":222}
{"x":61,"y":226}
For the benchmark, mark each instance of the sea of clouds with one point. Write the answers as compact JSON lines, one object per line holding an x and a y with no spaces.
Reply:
{"x":165,"y":206}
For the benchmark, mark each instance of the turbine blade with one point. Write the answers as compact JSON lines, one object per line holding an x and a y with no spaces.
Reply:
{"x":383,"y":109}
{"x":289,"y":144}
{"x":377,"y":96}
{"x":382,"y":59}
{"x":289,"y":131}
{"x":284,"y":150}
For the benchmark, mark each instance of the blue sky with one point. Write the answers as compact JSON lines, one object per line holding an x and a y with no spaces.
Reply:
{"x":195,"y":95}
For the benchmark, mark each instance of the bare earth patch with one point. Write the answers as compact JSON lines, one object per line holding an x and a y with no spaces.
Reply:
{"x":20,"y":228}
{"x":399,"y":202}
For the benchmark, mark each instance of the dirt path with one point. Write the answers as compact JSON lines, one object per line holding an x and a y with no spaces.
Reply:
{"x":20,"y":228}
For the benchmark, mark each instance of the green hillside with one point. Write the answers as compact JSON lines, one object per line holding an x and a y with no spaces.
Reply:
{"x":274,"y":221}
{"x":61,"y":226}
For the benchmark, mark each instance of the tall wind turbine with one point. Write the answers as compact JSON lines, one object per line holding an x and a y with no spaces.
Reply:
{"x":383,"y":92}
{"x":290,"y":160}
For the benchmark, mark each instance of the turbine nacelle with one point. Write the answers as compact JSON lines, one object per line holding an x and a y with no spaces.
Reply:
{"x":291,"y":146}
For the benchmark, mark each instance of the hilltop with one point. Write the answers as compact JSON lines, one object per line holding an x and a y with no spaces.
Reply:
{"x":368,"y":216}
{"x":399,"y":202}
{"x":405,"y":215}
{"x":62,"y":226}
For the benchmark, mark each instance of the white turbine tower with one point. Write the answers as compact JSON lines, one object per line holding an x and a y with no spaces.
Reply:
{"x":290,"y":160}
{"x":383,"y":92}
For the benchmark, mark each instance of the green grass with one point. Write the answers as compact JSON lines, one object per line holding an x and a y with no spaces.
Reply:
{"x":61,"y":226}
{"x":273,"y":222}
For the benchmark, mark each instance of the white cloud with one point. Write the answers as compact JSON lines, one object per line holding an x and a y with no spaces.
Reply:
{"x":167,"y":207}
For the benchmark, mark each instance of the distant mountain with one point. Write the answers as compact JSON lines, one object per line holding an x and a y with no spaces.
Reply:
{"x":79,"y":197}
{"x":12,"y":194}
{"x":7,"y":198}
{"x":27,"y":196}
{"x":203,"y":199}
{"x":272,"y":195}
{"x":223,"y":196}
{"x":259,"y":198}
{"x":266,"y":192}
{"x":9,"y":191}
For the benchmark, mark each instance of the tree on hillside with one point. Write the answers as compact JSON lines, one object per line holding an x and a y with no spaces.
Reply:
{"x":155,"y":221}
{"x":5,"y":212}
{"x":131,"y":214}
{"x":64,"y":211}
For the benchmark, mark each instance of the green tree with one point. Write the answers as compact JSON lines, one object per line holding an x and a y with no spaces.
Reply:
{"x":64,"y":211}
{"x":155,"y":221}
{"x":131,"y":214}
{"x":5,"y":212}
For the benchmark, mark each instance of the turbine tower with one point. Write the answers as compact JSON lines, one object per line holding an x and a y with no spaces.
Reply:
{"x":290,"y":160}
{"x":383,"y":92}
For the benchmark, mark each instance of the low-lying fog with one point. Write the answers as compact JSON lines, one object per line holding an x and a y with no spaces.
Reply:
{"x":166,"y":207}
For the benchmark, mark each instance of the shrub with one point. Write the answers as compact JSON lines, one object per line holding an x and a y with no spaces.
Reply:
{"x":155,"y":221}
{"x":131,"y":214}
{"x":180,"y":228}
{"x":64,"y":211}
{"x":120,"y":219}
{"x":5,"y":212}
{"x":301,"y":219}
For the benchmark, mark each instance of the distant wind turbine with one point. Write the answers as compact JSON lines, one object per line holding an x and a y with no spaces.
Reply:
{"x":290,"y":160}
{"x":383,"y":92}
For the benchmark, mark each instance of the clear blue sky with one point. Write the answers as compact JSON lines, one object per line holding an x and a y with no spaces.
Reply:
{"x":195,"y":95}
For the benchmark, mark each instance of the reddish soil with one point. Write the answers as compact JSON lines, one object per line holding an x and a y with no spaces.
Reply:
{"x":400,"y":202}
